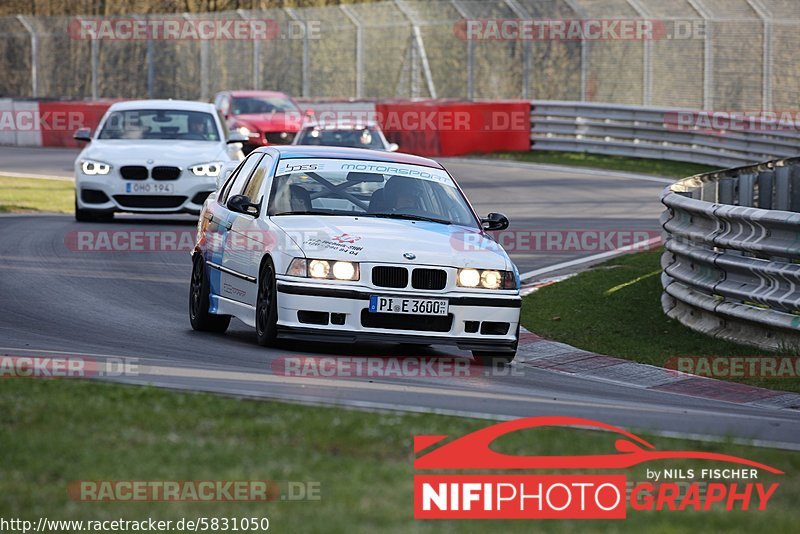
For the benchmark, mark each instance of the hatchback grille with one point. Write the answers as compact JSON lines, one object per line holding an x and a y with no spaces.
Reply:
{"x":397,"y":321}
{"x":133,"y":172}
{"x":428,"y":279}
{"x":165,"y":173}
{"x":390,"y":276}
{"x":149,"y":201}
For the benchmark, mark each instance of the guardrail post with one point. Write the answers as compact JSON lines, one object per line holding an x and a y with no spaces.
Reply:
{"x":746,"y":183}
{"x":794,"y":188}
{"x":765,"y":189}
{"x":726,"y":191}
{"x":782,"y":188}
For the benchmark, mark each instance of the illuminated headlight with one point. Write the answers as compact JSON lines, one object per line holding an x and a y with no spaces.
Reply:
{"x":93,"y":168}
{"x":486,"y":279}
{"x":324,"y":269}
{"x":246,"y":131}
{"x":207,"y":169}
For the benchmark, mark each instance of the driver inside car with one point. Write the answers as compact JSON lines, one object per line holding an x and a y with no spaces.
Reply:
{"x":198,"y":126}
{"x":402,"y":193}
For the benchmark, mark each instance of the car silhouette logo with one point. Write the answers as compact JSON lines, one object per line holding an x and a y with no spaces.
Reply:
{"x":409,"y":255}
{"x":473,"y":451}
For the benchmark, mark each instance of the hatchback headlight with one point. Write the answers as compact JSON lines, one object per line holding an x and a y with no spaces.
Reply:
{"x":93,"y":168}
{"x":324,"y":269}
{"x":486,"y":279}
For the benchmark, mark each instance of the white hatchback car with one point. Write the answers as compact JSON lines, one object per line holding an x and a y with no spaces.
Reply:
{"x":152,"y":156}
{"x":344,"y":244}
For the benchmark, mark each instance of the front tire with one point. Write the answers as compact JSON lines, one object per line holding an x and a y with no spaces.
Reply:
{"x":199,"y":291}
{"x":91,"y":215}
{"x":493,"y":359}
{"x":267,"y":306}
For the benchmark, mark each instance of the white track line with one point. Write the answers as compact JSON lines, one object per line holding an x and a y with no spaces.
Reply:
{"x":640,"y":245}
{"x":37,"y":176}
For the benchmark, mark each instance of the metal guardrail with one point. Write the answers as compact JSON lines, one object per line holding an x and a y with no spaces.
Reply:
{"x":648,"y":132}
{"x":731,"y":268}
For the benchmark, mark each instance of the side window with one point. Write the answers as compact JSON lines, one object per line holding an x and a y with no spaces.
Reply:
{"x":236,"y":182}
{"x":254,"y":185}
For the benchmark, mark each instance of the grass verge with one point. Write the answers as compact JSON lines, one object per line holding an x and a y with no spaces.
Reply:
{"x":615,"y":309}
{"x":20,"y":195}
{"x":53,"y":432}
{"x":657,"y":167}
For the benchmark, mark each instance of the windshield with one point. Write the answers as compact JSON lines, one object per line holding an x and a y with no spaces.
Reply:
{"x":262,"y":104}
{"x":352,"y":137}
{"x":160,"y":124}
{"x":368,"y":188}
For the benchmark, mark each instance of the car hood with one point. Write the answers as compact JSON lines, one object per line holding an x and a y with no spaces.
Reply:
{"x":270,"y":122}
{"x":132,"y":152}
{"x":375,"y":240}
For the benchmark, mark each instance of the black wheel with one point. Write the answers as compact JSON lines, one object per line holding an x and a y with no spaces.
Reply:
{"x":199,"y":290}
{"x":267,"y":307}
{"x":493,"y":359}
{"x":91,"y":216}
{"x":497,"y":358}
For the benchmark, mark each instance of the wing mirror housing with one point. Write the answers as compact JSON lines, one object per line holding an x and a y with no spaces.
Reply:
{"x":242,"y":204}
{"x":495,"y":221}
{"x":83,"y":134}
{"x":393,"y":147}
{"x":237,"y":137}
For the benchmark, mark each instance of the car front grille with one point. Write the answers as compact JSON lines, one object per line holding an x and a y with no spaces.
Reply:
{"x":279,"y":138}
{"x":384,"y":276}
{"x":133,"y":172}
{"x":165,"y":173}
{"x":149,"y":201}
{"x":397,"y":321}
{"x":428,"y":279}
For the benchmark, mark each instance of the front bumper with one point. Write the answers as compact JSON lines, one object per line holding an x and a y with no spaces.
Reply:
{"x":351,"y":307}
{"x":111,"y":193}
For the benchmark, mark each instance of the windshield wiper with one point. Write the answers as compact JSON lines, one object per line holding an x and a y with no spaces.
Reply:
{"x":405,"y":216}
{"x":311,"y":212}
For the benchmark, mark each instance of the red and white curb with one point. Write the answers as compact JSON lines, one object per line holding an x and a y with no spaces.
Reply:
{"x":535,"y":351}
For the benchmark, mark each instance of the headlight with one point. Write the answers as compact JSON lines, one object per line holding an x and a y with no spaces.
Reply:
{"x":92,"y":168}
{"x":244,"y":130}
{"x":486,"y":279}
{"x":324,"y":269}
{"x":207,"y":169}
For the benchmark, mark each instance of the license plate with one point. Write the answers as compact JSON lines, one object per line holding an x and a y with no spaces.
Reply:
{"x":378,"y":304}
{"x":149,"y":188}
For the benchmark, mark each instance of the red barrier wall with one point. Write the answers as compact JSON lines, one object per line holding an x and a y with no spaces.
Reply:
{"x":61,"y":119}
{"x":454,"y":128}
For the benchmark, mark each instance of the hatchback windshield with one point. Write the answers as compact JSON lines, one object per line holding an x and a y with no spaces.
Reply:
{"x":367,"y":137}
{"x":160,"y":124}
{"x":262,"y":104}
{"x":368,"y":188}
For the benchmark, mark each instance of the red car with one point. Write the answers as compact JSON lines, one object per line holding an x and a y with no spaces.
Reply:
{"x":265,"y":117}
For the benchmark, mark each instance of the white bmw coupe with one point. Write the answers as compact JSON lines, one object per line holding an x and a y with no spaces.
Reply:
{"x":344,"y":244}
{"x":152,"y":156}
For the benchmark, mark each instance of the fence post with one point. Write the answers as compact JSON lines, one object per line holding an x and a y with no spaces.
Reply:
{"x":708,"y":56}
{"x":420,"y":47}
{"x":584,"y":52}
{"x":462,"y":12}
{"x":95,"y":58}
{"x":359,"y":49}
{"x":766,"y":58}
{"x":256,"y":66}
{"x":647,"y":61}
{"x":305,"y":82}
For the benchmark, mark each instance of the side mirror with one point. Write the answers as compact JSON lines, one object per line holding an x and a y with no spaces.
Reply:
{"x":393,"y":147}
{"x":83,"y":134}
{"x":242,"y":204}
{"x":237,"y":137}
{"x":495,"y":221}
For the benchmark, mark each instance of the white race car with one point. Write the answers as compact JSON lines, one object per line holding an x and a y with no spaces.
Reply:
{"x":343,"y":244}
{"x":152,"y":156}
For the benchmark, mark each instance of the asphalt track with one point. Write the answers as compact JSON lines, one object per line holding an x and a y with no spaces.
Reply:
{"x":59,"y":301}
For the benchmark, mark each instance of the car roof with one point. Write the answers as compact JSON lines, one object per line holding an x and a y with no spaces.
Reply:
{"x":183,"y":105}
{"x":257,"y":93}
{"x":311,"y":151}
